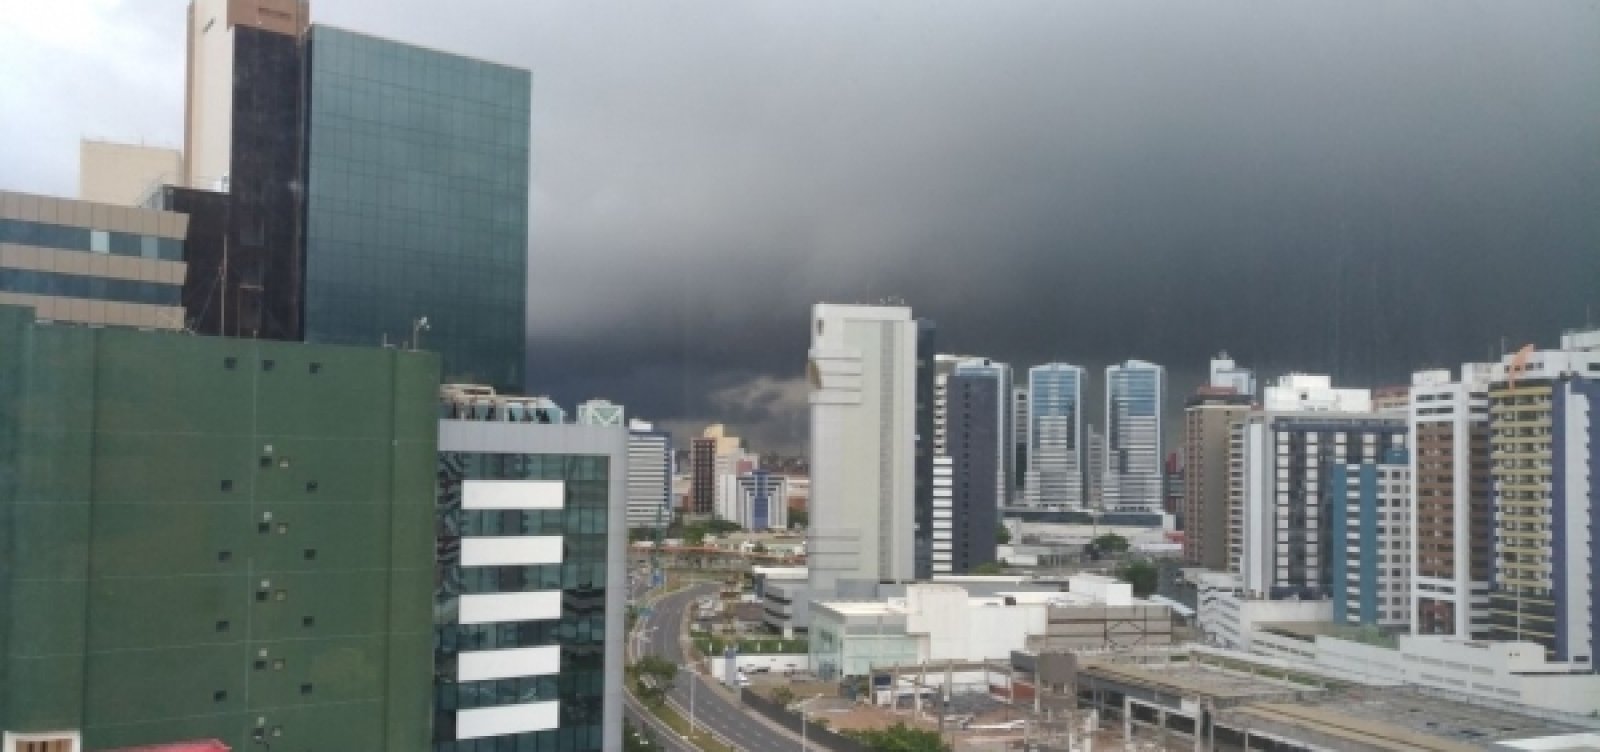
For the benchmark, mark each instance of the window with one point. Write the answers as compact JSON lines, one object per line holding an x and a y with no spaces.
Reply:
{"x":99,"y":241}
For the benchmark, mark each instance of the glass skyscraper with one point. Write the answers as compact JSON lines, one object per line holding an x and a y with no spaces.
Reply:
{"x":1134,"y":392}
{"x":1055,"y":423}
{"x":417,"y":203}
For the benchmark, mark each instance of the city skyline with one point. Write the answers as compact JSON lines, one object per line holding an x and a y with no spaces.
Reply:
{"x":1329,"y":221}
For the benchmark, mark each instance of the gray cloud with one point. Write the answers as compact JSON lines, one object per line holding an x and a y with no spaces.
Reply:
{"x":1356,"y":188}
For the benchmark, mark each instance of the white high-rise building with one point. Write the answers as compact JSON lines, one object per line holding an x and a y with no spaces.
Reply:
{"x":757,"y":500}
{"x":1055,"y":430}
{"x":862,"y":377}
{"x":1451,"y":501}
{"x":1286,"y":457}
{"x":599,"y":412}
{"x":1135,"y":391}
{"x":1225,"y":374}
{"x":649,"y":475}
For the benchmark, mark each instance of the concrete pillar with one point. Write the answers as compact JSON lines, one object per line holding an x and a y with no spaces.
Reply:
{"x":1127,"y":718}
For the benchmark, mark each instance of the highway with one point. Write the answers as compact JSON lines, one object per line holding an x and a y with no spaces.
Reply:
{"x":713,"y":709}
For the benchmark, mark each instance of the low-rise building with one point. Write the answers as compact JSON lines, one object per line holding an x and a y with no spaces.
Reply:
{"x":947,"y":621}
{"x":1501,"y":672}
{"x":1226,"y":700}
{"x":1229,"y":618}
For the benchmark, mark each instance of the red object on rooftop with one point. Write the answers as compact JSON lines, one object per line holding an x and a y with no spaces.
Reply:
{"x":209,"y":745}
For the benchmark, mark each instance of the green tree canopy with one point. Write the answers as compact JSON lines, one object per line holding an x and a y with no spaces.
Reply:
{"x":1110,"y":543}
{"x":900,"y":738}
{"x":1002,"y":536}
{"x":1140,"y":573}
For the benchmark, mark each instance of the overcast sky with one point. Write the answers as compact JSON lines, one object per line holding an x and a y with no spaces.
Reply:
{"x":1361,"y":188}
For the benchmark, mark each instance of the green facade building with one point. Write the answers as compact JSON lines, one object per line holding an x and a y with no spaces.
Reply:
{"x":215,"y":538}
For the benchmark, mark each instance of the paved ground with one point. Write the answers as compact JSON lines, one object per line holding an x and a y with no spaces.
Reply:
{"x":713,"y":708}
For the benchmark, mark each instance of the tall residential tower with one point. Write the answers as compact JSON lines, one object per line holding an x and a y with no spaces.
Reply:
{"x":862,"y":376}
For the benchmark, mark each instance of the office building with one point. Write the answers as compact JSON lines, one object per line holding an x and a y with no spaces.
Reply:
{"x":213,"y":538}
{"x":245,"y":141}
{"x":92,"y":263}
{"x":755,"y":500}
{"x":1286,"y":459}
{"x":1392,"y":399}
{"x":649,"y":476}
{"x":1227,"y":375}
{"x":380,"y":189}
{"x":958,"y":622}
{"x":1094,"y":486}
{"x":600,"y":412}
{"x":1055,"y":425}
{"x":862,"y":376}
{"x":702,"y":477}
{"x":1544,"y":448}
{"x":417,"y":202}
{"x":1206,"y":421}
{"x":974,"y":443}
{"x":1135,"y":392}
{"x":1172,"y":487}
{"x":1452,"y":501}
{"x":927,"y":424}
{"x":125,"y":174}
{"x":1370,"y":541}
{"x":531,"y":579}
{"x":941,"y":537}
{"x":1019,"y":443}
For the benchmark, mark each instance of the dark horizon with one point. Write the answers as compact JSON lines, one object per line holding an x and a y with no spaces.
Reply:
{"x":1325,"y":187}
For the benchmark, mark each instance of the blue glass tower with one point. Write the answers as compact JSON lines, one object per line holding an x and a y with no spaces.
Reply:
{"x":417,"y":203}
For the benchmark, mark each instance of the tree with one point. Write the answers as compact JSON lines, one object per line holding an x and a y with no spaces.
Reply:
{"x":652,"y":679}
{"x":635,"y":739}
{"x":988,"y":567}
{"x":758,"y":548}
{"x":720,"y":526}
{"x":1141,"y":574}
{"x":783,"y":695}
{"x":694,"y":535}
{"x":1002,"y":536}
{"x":799,"y":518}
{"x":1110,"y":543}
{"x":899,"y":738}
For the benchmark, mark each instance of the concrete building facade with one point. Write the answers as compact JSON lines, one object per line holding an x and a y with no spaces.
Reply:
{"x":1372,"y":541}
{"x":92,"y":263}
{"x":649,"y":476}
{"x":1206,"y":432}
{"x":1452,"y":501}
{"x":214,"y":538}
{"x":125,"y":174}
{"x":1544,"y":444}
{"x":862,"y":377}
{"x":755,"y":500}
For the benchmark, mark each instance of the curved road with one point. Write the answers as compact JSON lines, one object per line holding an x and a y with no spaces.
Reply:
{"x":713,"y":709}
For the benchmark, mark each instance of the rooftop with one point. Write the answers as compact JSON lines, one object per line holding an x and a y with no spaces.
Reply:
{"x":1401,"y":718}
{"x":1310,"y":630}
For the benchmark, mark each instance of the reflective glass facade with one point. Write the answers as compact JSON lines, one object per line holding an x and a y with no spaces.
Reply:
{"x":417,"y":202}
{"x":581,"y":576}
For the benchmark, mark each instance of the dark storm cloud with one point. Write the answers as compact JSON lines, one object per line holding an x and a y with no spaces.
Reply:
{"x":1361,"y":188}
